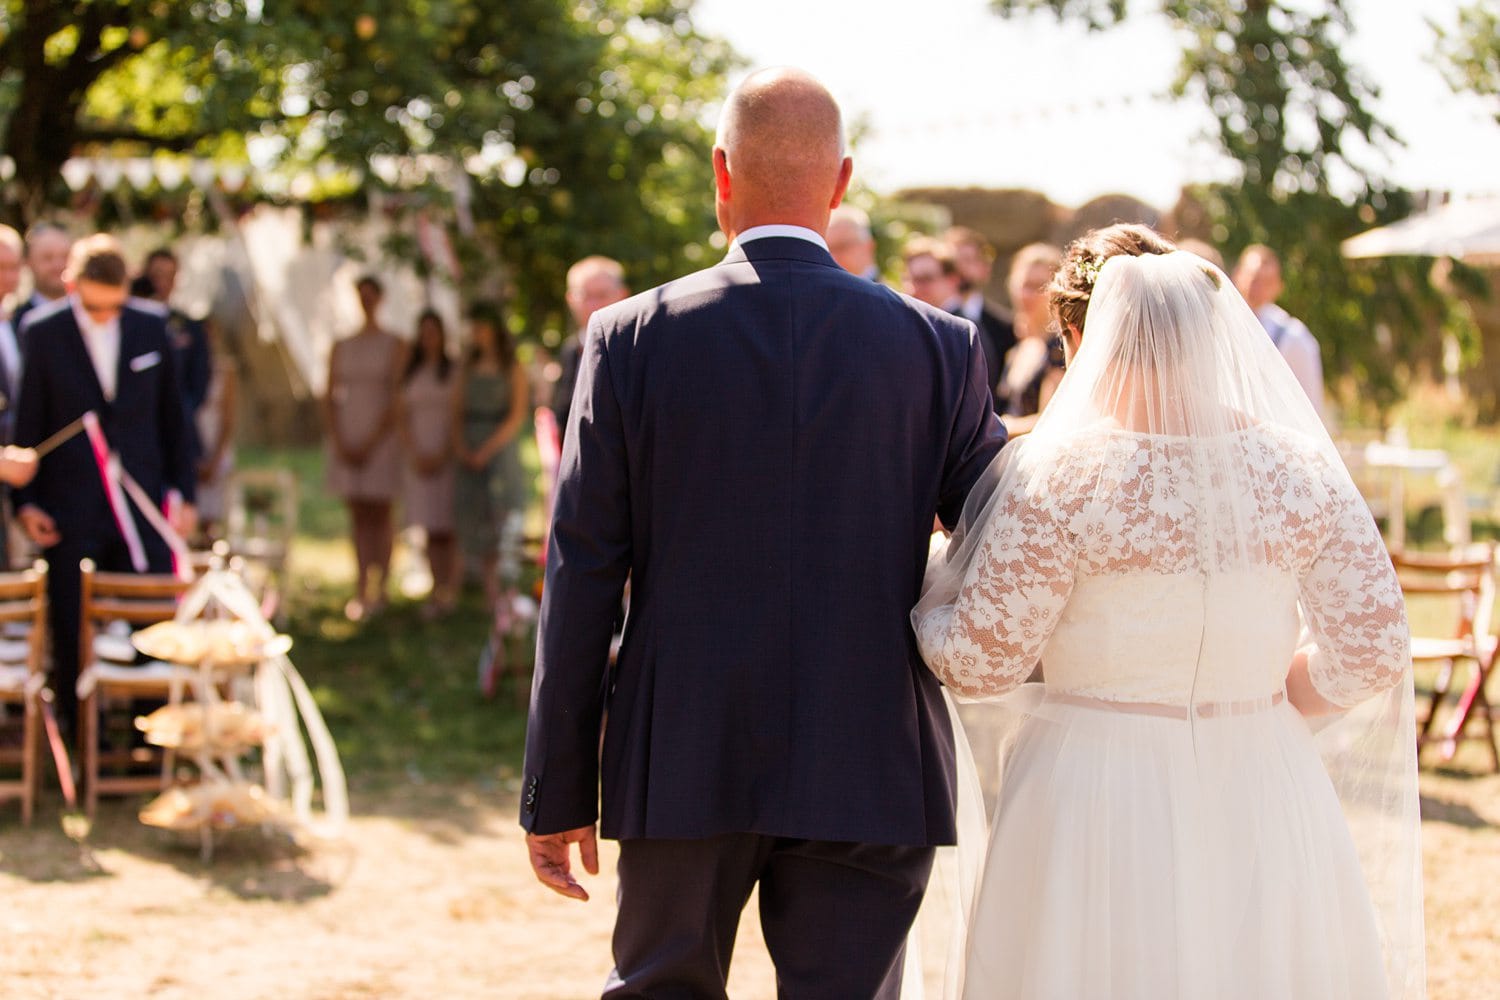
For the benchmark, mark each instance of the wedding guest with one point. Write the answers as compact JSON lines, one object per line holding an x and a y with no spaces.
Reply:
{"x":1258,"y":277}
{"x":94,"y":351}
{"x":363,"y":457}
{"x":47,"y":249}
{"x":1033,"y":367}
{"x":11,"y":251}
{"x":189,"y":336}
{"x":425,"y":425}
{"x":975,"y":257}
{"x":16,"y":465}
{"x":593,"y":283}
{"x":931,"y":273}
{"x":851,"y":242}
{"x":490,"y":404}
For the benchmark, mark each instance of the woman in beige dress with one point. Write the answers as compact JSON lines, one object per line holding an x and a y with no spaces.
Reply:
{"x":359,"y":414}
{"x":425,"y":426}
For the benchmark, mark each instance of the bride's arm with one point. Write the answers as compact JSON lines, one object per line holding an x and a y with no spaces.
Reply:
{"x":1355,"y":611}
{"x":989,"y":637}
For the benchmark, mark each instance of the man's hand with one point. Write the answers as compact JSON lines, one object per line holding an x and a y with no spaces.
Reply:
{"x":550,"y":859}
{"x":17,"y":465}
{"x":39,"y":526}
{"x":184,"y":520}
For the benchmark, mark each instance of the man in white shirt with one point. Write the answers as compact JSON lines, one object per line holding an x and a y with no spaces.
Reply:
{"x":1258,"y":277}
{"x":92,"y":352}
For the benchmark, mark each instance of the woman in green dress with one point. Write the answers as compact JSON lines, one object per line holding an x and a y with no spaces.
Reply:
{"x":490,"y":403}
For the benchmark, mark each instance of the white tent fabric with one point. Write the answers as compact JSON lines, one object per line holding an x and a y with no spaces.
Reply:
{"x":1469,"y":230}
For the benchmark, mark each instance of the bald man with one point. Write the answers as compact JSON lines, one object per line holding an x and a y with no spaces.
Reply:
{"x":593,"y":283}
{"x":760,"y":448}
{"x":852,"y":243}
{"x":1257,"y":274}
{"x":46,"y":254}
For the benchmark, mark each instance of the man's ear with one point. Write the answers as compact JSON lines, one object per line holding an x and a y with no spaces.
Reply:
{"x":846,"y":173}
{"x":721,"y":173}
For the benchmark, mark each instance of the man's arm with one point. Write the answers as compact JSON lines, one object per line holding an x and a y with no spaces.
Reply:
{"x":589,"y":558}
{"x":976,"y":438}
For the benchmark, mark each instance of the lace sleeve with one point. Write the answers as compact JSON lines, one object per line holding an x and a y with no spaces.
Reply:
{"x":988,"y":640}
{"x":1353,"y":606}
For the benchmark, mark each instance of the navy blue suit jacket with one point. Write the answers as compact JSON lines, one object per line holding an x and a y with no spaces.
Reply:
{"x":760,"y":447}
{"x":144,"y":423}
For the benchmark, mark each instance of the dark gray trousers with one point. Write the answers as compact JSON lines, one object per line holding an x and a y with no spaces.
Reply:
{"x":835,"y":916}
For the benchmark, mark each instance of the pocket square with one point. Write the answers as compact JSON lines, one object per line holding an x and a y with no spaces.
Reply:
{"x":141,"y":362}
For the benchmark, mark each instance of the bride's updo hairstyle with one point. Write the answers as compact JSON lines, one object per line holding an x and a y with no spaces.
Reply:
{"x":1073,"y":283}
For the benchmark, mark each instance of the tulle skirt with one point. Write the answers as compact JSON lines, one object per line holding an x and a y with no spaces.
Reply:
{"x":1140,"y":856}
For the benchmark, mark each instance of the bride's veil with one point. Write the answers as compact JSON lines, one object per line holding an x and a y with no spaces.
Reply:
{"x":1171,"y":353}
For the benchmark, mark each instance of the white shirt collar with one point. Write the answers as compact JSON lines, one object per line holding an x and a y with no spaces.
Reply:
{"x":102,"y":341}
{"x":778,"y":229}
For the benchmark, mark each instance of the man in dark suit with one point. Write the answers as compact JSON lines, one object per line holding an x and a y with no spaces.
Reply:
{"x":92,"y":351}
{"x":974,"y":257}
{"x":760,"y":447}
{"x":47,"y":249}
{"x":593,"y":283}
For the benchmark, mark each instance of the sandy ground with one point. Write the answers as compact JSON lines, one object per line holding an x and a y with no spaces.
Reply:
{"x":430,"y":896}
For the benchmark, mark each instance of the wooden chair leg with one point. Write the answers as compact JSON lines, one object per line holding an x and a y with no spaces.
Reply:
{"x":29,"y":737}
{"x":1439,"y":690}
{"x":88,"y":725}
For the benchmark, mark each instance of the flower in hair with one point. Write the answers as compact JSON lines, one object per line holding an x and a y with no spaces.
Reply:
{"x":1088,"y":269}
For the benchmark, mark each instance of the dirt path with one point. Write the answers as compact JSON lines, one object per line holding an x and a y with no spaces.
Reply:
{"x":431,"y":897}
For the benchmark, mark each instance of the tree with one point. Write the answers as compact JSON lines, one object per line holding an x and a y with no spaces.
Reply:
{"x":1295,"y":116}
{"x":1469,"y":53}
{"x":575,"y":126}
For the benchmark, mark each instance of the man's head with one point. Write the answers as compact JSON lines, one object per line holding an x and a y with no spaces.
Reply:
{"x":779,"y":156}
{"x":593,"y":283}
{"x":850,"y":240}
{"x":11,"y":252}
{"x":161,"y":272}
{"x":931,"y":271}
{"x":47,"y":246}
{"x":973,"y":254}
{"x":95,"y":272}
{"x":1258,"y":275}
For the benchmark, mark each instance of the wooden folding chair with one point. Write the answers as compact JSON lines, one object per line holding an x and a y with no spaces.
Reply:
{"x":23,"y":607}
{"x":135,"y":599}
{"x":1465,"y":577}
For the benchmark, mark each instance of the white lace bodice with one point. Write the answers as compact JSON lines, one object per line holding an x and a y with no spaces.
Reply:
{"x":1100,"y":567}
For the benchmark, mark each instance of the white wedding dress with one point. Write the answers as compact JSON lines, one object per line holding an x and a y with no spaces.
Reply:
{"x":1167,"y":828}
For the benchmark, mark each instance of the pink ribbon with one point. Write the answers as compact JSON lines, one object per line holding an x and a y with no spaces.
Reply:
{"x":117,"y":485}
{"x":109,"y":474}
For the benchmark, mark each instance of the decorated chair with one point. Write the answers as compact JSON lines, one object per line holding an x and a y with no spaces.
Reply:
{"x":23,"y":637}
{"x":1464,"y":581}
{"x":113,"y":605}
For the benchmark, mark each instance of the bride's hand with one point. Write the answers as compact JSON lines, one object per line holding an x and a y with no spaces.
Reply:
{"x":1301,"y":692}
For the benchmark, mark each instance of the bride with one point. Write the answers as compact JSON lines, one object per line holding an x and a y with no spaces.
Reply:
{"x":1213,"y":795}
